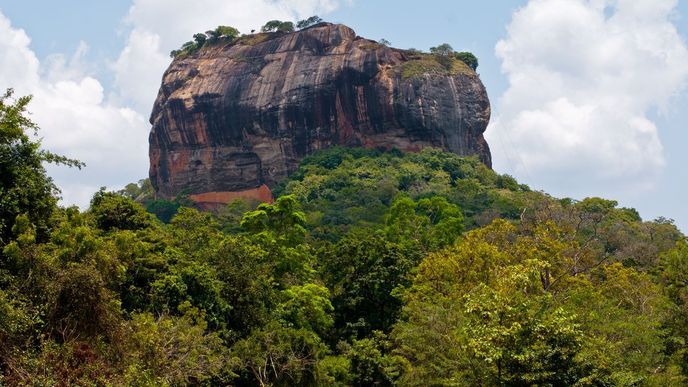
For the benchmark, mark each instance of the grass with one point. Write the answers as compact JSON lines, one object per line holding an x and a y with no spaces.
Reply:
{"x":253,"y":39}
{"x":418,"y":67}
{"x":459,"y":67}
{"x":371,"y":46}
{"x":426,"y":64}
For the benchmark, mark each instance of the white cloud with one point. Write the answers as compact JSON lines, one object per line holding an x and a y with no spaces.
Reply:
{"x":18,"y":64}
{"x":139,"y":69}
{"x":583,"y":77}
{"x":74,"y":117}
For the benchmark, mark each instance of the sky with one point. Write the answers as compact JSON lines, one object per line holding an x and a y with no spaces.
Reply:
{"x":589,"y":97}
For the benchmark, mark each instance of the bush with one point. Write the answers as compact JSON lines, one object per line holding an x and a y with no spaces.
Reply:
{"x":203,"y":39}
{"x":443,"y":54}
{"x":113,"y":211}
{"x":313,"y":20}
{"x":82,"y":305}
{"x":467,"y":58}
{"x":278,"y":26}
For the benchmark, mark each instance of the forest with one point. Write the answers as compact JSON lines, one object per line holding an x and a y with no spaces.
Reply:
{"x":370,"y":268}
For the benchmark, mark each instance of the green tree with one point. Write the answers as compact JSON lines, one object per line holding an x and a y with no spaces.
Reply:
{"x":363,"y":271}
{"x":275,"y":355}
{"x":674,"y":276}
{"x":222,"y":32}
{"x":81,"y":305}
{"x":372,"y":363}
{"x":277,"y":26}
{"x":195,"y":283}
{"x":173,"y":350}
{"x":24,"y":186}
{"x":477,"y":314}
{"x":140,"y":191}
{"x":113,"y":211}
{"x":444,"y":54}
{"x":301,"y":24}
{"x":431,"y":223}
{"x":385,"y":42}
{"x":200,"y":39}
{"x":249,"y":288}
{"x":467,"y":58}
{"x":307,"y":307}
{"x":284,"y":218}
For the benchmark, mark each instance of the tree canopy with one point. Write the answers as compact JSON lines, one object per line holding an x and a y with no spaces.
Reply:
{"x":370,"y":268}
{"x":25,"y":188}
{"x":467,"y":58}
{"x":311,"y":21}
{"x":202,"y":39}
{"x":278,"y":26}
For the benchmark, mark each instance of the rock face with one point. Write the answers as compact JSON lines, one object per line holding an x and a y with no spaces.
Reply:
{"x":237,"y":116}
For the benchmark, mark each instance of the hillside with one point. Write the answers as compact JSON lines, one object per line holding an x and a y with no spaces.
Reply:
{"x":370,"y":268}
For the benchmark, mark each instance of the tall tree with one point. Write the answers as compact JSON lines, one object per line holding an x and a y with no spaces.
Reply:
{"x":25,"y":188}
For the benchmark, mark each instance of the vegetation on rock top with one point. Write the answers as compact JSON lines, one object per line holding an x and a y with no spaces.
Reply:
{"x":441,"y":60}
{"x":229,"y":34}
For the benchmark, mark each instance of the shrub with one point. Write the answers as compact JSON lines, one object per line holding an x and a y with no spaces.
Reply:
{"x":278,"y":26}
{"x":203,"y":39}
{"x":467,"y":58}
{"x":443,"y":54}
{"x":313,"y":20}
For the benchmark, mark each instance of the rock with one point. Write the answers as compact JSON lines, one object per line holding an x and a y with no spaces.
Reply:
{"x":236,"y":116}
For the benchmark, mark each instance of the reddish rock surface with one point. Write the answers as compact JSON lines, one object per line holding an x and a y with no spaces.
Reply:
{"x":238,"y":116}
{"x":213,"y":200}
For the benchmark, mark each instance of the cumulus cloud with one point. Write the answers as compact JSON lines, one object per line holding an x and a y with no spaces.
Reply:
{"x":18,"y":64}
{"x":75,"y":118}
{"x":584,"y":75}
{"x":138,"y":70}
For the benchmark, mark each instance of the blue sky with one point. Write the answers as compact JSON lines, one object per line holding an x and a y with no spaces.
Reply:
{"x":578,"y":108}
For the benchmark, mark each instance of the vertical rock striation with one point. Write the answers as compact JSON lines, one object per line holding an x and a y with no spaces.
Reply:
{"x":237,"y":116}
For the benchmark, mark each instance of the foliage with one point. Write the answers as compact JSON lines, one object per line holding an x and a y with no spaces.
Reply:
{"x":513,"y":328}
{"x":81,"y":305}
{"x":141,"y":191}
{"x":444,"y":55}
{"x":173,"y":350}
{"x":277,"y":26}
{"x":112,"y":211}
{"x":371,"y":361}
{"x":443,"y":49}
{"x":24,"y":186}
{"x":441,"y":60}
{"x":306,"y":307}
{"x":431,"y":223}
{"x":467,"y":58}
{"x":282,"y":218}
{"x":279,"y":356}
{"x":203,"y":39}
{"x":222,"y":32}
{"x":311,"y":21}
{"x":674,"y":277}
{"x":370,"y":268}
{"x":363,"y":272}
{"x":341,"y":188}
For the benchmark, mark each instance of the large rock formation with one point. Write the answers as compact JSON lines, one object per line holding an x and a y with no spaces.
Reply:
{"x":236,"y":116}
